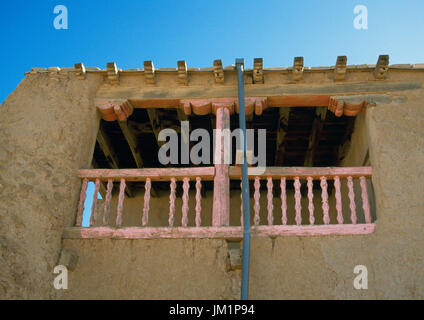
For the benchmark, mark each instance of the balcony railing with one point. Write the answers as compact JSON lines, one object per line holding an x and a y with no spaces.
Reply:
{"x":343,"y":180}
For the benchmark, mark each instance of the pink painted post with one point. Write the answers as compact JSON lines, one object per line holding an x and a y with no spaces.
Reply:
{"x":106,"y":209}
{"x":270,"y":206}
{"x":94,"y":204}
{"x":172,"y":198}
{"x":298,"y":197}
{"x":338,"y":200}
{"x":365,"y":202}
{"x":83,"y":195}
{"x":146,"y":208}
{"x":120,"y":203}
{"x":257,"y":206}
{"x":283,"y":201}
{"x":352,"y":200}
{"x":325,"y":206}
{"x":185,"y":208}
{"x":221,"y":191}
{"x":311,"y":200}
{"x":198,"y":219}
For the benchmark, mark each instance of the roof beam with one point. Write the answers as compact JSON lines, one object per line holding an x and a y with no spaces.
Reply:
{"x":149,"y":72}
{"x":218,"y":71}
{"x":382,"y":67}
{"x":182,"y":73}
{"x":112,"y":73}
{"x":258,"y":70}
{"x":340,"y":68}
{"x":298,"y":68}
{"x":155,"y":123}
{"x":132,"y":142}
{"x":314,"y":139}
{"x":80,"y":71}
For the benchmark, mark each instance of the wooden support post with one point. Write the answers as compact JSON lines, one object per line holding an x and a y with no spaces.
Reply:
{"x":221,"y":192}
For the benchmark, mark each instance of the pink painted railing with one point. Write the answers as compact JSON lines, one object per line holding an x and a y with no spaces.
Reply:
{"x":302,"y":175}
{"x":221,"y":228}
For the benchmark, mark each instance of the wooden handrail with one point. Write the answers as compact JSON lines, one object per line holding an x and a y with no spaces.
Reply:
{"x":155,"y":174}
{"x":304,"y":172}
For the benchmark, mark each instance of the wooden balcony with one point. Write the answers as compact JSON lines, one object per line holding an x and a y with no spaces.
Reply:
{"x":342,"y":179}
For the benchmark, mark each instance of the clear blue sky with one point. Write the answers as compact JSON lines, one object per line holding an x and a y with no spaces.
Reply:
{"x":199,"y":31}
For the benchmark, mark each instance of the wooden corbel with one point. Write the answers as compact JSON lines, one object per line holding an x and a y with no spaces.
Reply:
{"x":298,"y":69}
{"x":114,"y":109}
{"x":112,"y":73}
{"x":258,"y":70}
{"x":340,"y":68}
{"x":182,"y":73}
{"x":382,"y":67}
{"x":340,"y":106}
{"x":218,"y":71}
{"x":149,"y":72}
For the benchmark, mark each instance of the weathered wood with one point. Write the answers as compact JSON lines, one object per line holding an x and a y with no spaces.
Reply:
{"x":149,"y":73}
{"x":215,"y":232}
{"x":258,"y":70}
{"x":298,"y":198}
{"x":182,"y":73}
{"x":298,"y":68}
{"x":120,"y":203}
{"x":112,"y":73}
{"x":218,"y":71}
{"x":283,"y":201}
{"x":340,"y":68}
{"x":81,"y":203}
{"x":156,"y":174}
{"x":365,"y":202}
{"x":94,"y":203}
{"x":270,"y":205}
{"x":80,"y":71}
{"x":311,"y":207}
{"x":146,"y":205}
{"x":155,"y":122}
{"x":221,"y":191}
{"x":381,"y":67}
{"x":314,"y":140}
{"x":172,"y":197}
{"x":114,"y":109}
{"x":256,"y":196}
{"x":304,"y":172}
{"x":108,"y":198}
{"x":352,"y":204}
{"x":338,"y":200}
{"x":324,"y":195}
{"x":198,"y":219}
{"x":185,"y":208}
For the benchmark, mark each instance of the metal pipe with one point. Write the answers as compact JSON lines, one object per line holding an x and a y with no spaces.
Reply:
{"x":245,"y":185}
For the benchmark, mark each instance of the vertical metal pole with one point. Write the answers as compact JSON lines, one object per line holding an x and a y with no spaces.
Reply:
{"x":245,"y":185}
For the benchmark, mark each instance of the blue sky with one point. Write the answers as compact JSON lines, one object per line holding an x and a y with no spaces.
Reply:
{"x":199,"y":31}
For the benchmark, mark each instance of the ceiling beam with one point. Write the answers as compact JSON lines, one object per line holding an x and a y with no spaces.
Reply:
{"x":282,"y":128}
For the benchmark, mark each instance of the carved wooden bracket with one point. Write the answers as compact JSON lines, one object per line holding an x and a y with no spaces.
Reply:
{"x":340,"y":106}
{"x":202,"y":107}
{"x":112,"y":110}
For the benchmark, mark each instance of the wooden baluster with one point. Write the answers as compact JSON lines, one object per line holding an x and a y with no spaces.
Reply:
{"x":298,"y":197}
{"x":198,"y":201}
{"x":106,"y":209}
{"x":241,"y":206}
{"x":186,"y":187}
{"x":81,"y":203}
{"x":324,"y":195}
{"x":283,"y":201}
{"x":270,"y":197}
{"x":172,"y":198}
{"x":120,"y":203}
{"x":338,"y":200}
{"x":365,"y":202}
{"x":146,"y":208}
{"x":94,"y":204}
{"x":352,"y":200}
{"x":257,"y":206}
{"x":311,"y":200}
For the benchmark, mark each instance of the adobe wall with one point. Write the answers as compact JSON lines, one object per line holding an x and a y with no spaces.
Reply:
{"x":48,"y":127}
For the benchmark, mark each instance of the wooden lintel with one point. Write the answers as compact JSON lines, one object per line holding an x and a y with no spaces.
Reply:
{"x":235,"y":233}
{"x":156,"y":174}
{"x":303,"y":172}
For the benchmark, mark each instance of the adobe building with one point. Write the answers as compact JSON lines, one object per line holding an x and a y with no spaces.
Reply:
{"x":343,"y":184}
